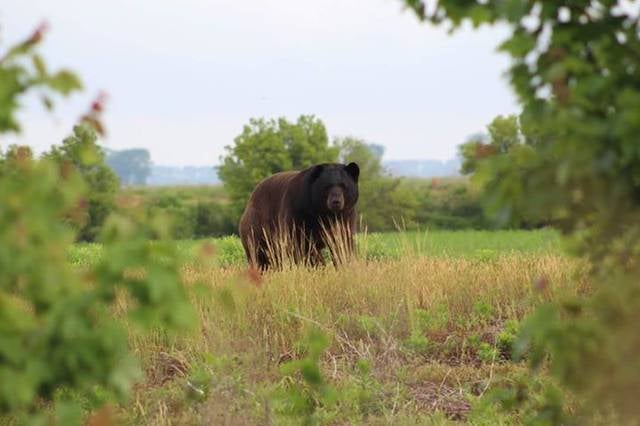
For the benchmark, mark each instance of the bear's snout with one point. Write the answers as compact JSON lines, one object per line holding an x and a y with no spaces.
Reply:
{"x":335,"y":200}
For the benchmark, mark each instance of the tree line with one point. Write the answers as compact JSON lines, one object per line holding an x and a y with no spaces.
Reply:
{"x":264,"y":147}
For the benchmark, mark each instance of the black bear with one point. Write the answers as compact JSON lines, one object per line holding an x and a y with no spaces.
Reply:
{"x":297,"y":214}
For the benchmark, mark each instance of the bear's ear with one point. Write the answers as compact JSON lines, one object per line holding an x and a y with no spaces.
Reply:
{"x":353,"y":170}
{"x":315,"y":172}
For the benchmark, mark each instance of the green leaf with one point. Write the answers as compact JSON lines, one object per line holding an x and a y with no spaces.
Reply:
{"x":514,"y":10}
{"x":519,"y":45}
{"x":480,"y":14}
{"x":64,"y":81}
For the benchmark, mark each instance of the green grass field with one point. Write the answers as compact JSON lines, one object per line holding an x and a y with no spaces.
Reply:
{"x":417,"y":330}
{"x":388,"y":246}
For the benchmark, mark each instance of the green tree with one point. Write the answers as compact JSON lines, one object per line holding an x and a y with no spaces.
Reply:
{"x":213,"y":219}
{"x":385,"y":202}
{"x":81,"y":152}
{"x":503,"y":134}
{"x":266,"y":147}
{"x":470,"y":152}
{"x":183,"y":215}
{"x":133,"y":166}
{"x":576,"y":71}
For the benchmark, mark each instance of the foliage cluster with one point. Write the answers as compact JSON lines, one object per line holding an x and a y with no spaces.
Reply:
{"x":451,"y":203}
{"x":503,"y":134}
{"x":61,"y":336}
{"x":22,"y":69}
{"x":576,"y":72}
{"x":196,"y":212}
{"x":79,"y":153}
{"x":59,"y":330}
{"x":202,"y":219}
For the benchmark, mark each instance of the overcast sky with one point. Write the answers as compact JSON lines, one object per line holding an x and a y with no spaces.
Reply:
{"x":183,"y":76}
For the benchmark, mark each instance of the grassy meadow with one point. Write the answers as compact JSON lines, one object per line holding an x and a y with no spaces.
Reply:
{"x":382,"y":246}
{"x":417,"y":330}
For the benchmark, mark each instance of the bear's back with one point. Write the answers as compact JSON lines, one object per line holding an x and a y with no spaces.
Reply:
{"x":267,"y":201}
{"x":271,"y":189}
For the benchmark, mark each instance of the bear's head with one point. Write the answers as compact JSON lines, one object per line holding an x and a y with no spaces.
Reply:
{"x":333,"y":187}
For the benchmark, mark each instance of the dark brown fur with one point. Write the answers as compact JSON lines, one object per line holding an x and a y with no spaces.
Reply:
{"x":299,"y":207}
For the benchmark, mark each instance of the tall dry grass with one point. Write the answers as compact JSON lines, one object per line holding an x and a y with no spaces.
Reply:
{"x":283,"y":247}
{"x":370,"y":310}
{"x":266,"y":314}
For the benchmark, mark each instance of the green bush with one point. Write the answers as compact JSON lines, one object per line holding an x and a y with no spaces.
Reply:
{"x":213,"y":219}
{"x":230,"y":252}
{"x":196,"y":211}
{"x":61,"y":339}
{"x":57,"y":327}
{"x":305,"y":395}
{"x":418,"y":343}
{"x":448,"y":204}
{"x":182,"y":216}
{"x":506,"y":339}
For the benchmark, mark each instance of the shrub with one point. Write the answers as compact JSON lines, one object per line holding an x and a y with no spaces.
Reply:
{"x":57,"y":324}
{"x":61,"y":341}
{"x":448,"y":204}
{"x":213,"y":219}
{"x":230,"y":252}
{"x":182,"y":216}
